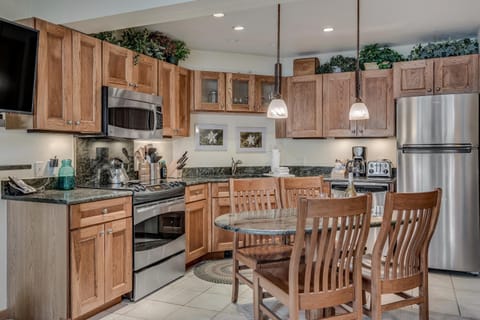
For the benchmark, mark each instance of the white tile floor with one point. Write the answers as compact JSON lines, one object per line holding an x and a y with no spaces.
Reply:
{"x":452,"y":296}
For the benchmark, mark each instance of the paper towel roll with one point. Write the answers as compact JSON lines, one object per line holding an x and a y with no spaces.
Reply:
{"x":275,"y":159}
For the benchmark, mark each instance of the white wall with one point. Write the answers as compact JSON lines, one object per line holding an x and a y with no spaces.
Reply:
{"x":16,"y":9}
{"x":19,"y":147}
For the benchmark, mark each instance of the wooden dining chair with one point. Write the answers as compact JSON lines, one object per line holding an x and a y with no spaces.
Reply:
{"x":399,"y":260}
{"x":291,"y":188}
{"x":254,"y":251}
{"x":325,"y":266}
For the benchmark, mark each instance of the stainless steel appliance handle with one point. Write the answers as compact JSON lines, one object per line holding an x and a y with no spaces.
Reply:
{"x":150,"y":210}
{"x":435,"y":148}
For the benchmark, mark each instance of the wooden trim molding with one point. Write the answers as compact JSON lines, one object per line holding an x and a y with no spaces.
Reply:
{"x":4,"y":314}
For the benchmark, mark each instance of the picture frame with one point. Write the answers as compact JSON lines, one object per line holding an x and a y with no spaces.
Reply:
{"x":250,"y":139}
{"x":210,"y":137}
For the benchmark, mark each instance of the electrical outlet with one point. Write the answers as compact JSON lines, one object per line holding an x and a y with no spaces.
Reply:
{"x":38,"y":168}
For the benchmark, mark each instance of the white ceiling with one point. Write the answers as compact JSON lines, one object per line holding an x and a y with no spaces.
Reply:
{"x":390,"y":22}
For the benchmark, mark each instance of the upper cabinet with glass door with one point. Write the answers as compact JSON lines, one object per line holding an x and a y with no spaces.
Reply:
{"x":209,"y":91}
{"x":264,"y":92}
{"x":240,"y":92}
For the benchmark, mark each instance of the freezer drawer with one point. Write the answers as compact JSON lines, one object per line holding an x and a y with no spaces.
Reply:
{"x":439,"y":119}
{"x":455,"y":243}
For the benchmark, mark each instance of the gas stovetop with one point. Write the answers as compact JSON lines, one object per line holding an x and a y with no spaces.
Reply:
{"x":143,"y":192}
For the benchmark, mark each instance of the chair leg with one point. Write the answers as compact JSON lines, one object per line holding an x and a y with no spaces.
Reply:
{"x":257,"y":297}
{"x":235,"y":283}
{"x":375,"y":303}
{"x":423,"y":292}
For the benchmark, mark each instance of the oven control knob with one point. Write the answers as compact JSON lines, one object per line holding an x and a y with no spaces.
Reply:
{"x":385,"y":171}
{"x":370,"y":170}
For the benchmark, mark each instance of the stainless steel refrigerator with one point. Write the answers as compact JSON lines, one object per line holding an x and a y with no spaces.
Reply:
{"x":437,"y":141}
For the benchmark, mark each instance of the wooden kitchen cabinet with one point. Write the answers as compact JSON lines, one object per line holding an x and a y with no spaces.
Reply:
{"x":196,"y":222}
{"x":100,"y":270}
{"x":87,"y":269}
{"x":182,"y":115}
{"x":209,"y":91}
{"x":240,"y":92}
{"x":338,"y":96}
{"x":456,"y":74}
{"x":126,"y":69}
{"x":80,"y":257}
{"x":167,"y":90}
{"x":436,"y":76}
{"x":264,"y":92}
{"x":305,"y":107}
{"x":174,"y":86}
{"x":68,"y":86}
{"x":222,"y":240}
{"x":377,"y":94}
{"x":100,"y":254}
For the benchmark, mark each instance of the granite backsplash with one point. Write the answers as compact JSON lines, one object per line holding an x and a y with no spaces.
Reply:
{"x":245,"y":171}
{"x":93,"y":156}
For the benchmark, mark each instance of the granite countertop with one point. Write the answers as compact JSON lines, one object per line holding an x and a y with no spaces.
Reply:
{"x":68,"y":197}
{"x":224,"y":178}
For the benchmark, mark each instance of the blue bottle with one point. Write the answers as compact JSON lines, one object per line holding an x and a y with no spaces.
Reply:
{"x":66,"y":175}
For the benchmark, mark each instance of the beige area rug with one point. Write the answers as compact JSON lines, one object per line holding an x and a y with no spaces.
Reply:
{"x":216,"y":271}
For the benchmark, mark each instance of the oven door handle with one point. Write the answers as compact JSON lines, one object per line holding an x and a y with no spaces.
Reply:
{"x":149,"y":211}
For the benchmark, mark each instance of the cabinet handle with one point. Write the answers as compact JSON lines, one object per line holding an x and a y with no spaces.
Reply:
{"x":109,"y":231}
{"x":438,"y":88}
{"x":104,"y":211}
{"x":131,"y":84}
{"x":361,"y":131}
{"x":429,"y":90}
{"x":77,"y":122}
{"x":101,"y":233}
{"x":353,"y":131}
{"x":69,"y":122}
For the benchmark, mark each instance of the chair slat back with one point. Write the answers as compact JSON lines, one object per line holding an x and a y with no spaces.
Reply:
{"x":293,"y":188}
{"x":252,"y":195}
{"x":333,"y":249}
{"x":402,"y":245}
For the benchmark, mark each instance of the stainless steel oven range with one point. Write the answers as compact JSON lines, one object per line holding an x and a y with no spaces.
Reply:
{"x":159,"y":244}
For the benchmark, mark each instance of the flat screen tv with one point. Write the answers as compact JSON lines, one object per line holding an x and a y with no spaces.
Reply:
{"x":18,"y":61}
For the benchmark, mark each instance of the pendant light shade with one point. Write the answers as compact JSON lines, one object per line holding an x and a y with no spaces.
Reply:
{"x":358,"y":110}
{"x":277,"y":109}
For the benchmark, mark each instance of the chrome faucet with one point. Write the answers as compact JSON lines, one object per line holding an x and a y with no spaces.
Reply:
{"x":235,"y":165}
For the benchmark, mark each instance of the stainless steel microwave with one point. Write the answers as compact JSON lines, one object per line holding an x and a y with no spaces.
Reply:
{"x":130,"y":114}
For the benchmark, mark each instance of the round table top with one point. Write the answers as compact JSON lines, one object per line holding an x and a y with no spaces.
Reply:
{"x":268,"y":222}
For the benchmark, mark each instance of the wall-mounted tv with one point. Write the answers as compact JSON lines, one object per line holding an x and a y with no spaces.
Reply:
{"x":18,"y":61}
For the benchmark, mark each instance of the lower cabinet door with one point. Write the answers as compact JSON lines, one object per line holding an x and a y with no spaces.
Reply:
{"x":222,"y":240}
{"x":118,"y":258}
{"x":196,"y":230}
{"x":87,"y":269}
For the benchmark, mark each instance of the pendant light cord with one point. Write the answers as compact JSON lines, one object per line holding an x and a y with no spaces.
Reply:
{"x":278,"y":33}
{"x":357,"y":66}
{"x":278,"y":65}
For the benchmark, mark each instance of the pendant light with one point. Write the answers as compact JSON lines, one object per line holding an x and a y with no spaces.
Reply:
{"x":358,"y":110}
{"x":277,"y":109}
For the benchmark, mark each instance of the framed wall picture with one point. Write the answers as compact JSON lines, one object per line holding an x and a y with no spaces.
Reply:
{"x":210,"y":137}
{"x":250,"y":139}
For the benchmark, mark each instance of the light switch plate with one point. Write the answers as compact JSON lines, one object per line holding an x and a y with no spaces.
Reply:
{"x":38,"y":168}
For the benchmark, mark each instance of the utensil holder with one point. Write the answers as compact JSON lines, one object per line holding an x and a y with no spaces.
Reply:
{"x":144,"y":172}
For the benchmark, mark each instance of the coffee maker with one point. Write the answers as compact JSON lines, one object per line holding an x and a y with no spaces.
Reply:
{"x":358,"y":164}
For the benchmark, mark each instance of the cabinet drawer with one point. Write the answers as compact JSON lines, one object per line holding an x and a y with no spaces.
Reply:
{"x":220,"y":190}
{"x":196,"y":192}
{"x":90,"y":213}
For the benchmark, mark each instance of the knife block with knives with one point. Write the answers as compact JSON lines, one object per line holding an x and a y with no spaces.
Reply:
{"x":175,"y":167}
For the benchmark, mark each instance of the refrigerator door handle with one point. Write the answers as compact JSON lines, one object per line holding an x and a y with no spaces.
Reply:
{"x":465,"y":148}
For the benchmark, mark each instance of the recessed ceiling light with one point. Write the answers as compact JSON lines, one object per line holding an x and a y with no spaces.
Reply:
{"x":328,"y":29}
{"x":219,"y":15}
{"x":238,"y":28}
